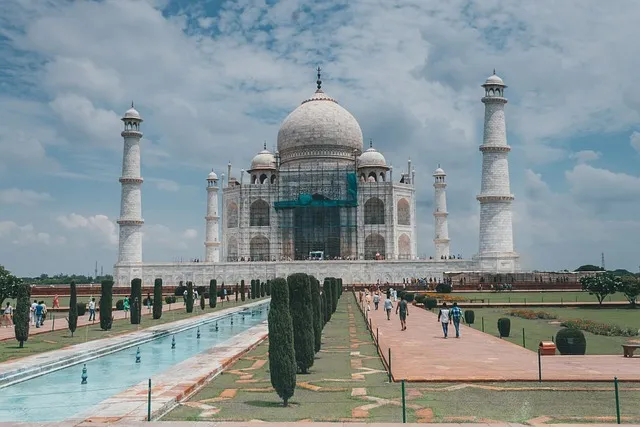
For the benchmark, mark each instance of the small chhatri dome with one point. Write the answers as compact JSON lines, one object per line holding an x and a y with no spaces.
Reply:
{"x":263,"y":160}
{"x":439,"y":172}
{"x":319,"y":129}
{"x":212,"y":176}
{"x":494,"y":80}
{"x":132,"y":113}
{"x":371,"y":158}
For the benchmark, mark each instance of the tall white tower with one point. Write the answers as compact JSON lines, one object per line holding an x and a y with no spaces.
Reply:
{"x":130,"y":221}
{"x":441,"y":238}
{"x":496,"y":229}
{"x":212,"y":242}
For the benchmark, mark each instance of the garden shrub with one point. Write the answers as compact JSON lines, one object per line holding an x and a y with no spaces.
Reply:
{"x":469,"y":317}
{"x":430,"y":303}
{"x":106,"y":305}
{"x":179,"y":290}
{"x":532,"y":314}
{"x":282,"y":357}
{"x":571,"y":341}
{"x":598,"y":328}
{"x":504,"y":326}
{"x":443,"y":288}
{"x":202,"y":305}
{"x":120,"y":304}
{"x":409,"y":296}
{"x":82,"y":308}
{"x":419,"y":299}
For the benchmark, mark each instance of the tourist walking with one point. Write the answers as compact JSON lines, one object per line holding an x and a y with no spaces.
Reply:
{"x":388,"y":306}
{"x":56,"y":302}
{"x":403,"y":308}
{"x":92,"y":310}
{"x":38,"y":311}
{"x":44,"y":312}
{"x":125,"y":306}
{"x":376,"y":300}
{"x":444,"y":318}
{"x":6,"y":315}
{"x":32,"y":312}
{"x":456,"y":316}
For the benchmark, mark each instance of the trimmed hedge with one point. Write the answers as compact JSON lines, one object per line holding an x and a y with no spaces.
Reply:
{"x":469,"y":317}
{"x":106,"y":305}
{"x":504,"y":327}
{"x":430,"y":303}
{"x":571,"y":341}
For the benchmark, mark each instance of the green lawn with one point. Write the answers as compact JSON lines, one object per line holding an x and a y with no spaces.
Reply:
{"x":539,"y":330}
{"x":62,"y":338}
{"x":437,"y":402}
{"x":536,"y":297}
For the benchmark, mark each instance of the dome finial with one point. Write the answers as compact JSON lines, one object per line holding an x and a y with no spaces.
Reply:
{"x":131,"y":104}
{"x":370,"y":142}
{"x":319,"y":82}
{"x":438,"y":164}
{"x":494,"y":71}
{"x":264,"y":146}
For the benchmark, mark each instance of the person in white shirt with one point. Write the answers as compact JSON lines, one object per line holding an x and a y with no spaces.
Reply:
{"x":6,"y":315}
{"x":92,"y":309}
{"x":32,"y":313}
{"x":444,"y":317}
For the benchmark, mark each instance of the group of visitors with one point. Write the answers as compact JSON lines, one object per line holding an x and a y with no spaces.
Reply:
{"x":446,"y":316}
{"x":38,"y":313}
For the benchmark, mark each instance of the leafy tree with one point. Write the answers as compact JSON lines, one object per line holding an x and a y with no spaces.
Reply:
{"x":621,"y":272}
{"x":302,"y":316}
{"x":136,"y":301}
{"x":157,"y":299}
{"x":589,"y":267}
{"x":73,"y":307}
{"x":318,"y":315}
{"x":9,"y":285}
{"x":328,"y":299}
{"x":213,"y":293}
{"x":630,"y":287}
{"x":21,"y":313}
{"x":106,"y":305}
{"x":282,"y":358}
{"x":242,"y":290}
{"x":601,"y":285}
{"x":189,"y":302}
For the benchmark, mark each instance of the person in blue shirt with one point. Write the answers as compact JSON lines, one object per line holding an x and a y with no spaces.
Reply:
{"x":456,"y":316}
{"x":39,"y":310}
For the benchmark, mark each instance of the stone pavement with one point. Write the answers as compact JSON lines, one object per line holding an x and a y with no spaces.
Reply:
{"x":292,"y":424}
{"x":422,"y":354}
{"x":61,"y":322}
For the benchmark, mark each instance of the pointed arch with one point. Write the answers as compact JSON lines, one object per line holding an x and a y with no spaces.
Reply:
{"x":374,"y":211}
{"x":404,"y":247}
{"x":403,"y":212}
{"x":259,"y":214}
{"x":374,"y":247}
{"x":232,"y":215}
{"x":259,"y":248}
{"x":232,"y":249}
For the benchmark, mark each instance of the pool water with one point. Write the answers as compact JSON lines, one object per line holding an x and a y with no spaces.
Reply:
{"x":58,"y":395}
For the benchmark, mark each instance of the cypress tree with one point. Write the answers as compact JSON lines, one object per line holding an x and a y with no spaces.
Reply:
{"x":202,"y":305}
{"x":213,"y":293}
{"x":189,"y":297}
{"x":73,"y":308}
{"x":236,"y":292}
{"x":268,"y":288}
{"x":136,"y":301}
{"x":302,"y":317}
{"x":318,"y":316}
{"x":262,"y":289}
{"x":242,"y":290}
{"x":106,"y":305}
{"x":334,"y":294}
{"x":339,"y":287}
{"x":323,"y":310}
{"x":282,"y":358}
{"x":252,"y":289}
{"x":21,"y":314}
{"x":157,"y":299}
{"x":328,"y":299}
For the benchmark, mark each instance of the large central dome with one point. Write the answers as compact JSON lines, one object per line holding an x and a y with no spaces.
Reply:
{"x":319,"y":130}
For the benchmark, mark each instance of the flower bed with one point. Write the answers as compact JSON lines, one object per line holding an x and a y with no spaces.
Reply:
{"x":600,"y":328}
{"x":444,"y":297}
{"x":532,"y":315}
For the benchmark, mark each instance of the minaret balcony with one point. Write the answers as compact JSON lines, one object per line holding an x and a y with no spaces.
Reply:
{"x":131,"y":133}
{"x":125,"y":180}
{"x":438,"y":213}
{"x":439,"y":185}
{"x":211,"y":244}
{"x":495,"y":148}
{"x":494,"y":100}
{"x":211,"y":217}
{"x":482,"y":198}
{"x":130,"y":221}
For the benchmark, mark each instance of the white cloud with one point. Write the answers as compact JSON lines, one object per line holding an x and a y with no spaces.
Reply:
{"x":99,"y":226}
{"x":634,"y":139}
{"x":164,"y":184}
{"x":25,"y":234}
{"x":602,"y":187}
{"x":16,"y":196}
{"x":585,"y":156}
{"x":190,"y":233}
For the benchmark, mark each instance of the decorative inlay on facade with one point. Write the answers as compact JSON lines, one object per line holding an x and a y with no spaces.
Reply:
{"x":494,"y":148}
{"x":130,"y":221}
{"x":131,"y":180}
{"x":492,"y":198}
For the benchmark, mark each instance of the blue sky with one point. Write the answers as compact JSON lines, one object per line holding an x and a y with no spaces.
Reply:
{"x":214,"y":79}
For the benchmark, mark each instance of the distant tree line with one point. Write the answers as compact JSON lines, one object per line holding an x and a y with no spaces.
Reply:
{"x":64,"y":279}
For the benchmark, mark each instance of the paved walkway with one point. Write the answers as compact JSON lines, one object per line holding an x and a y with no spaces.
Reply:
{"x":422,"y":354}
{"x":61,"y":323}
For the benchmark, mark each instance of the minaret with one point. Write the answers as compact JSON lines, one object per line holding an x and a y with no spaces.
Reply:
{"x":441,"y":238}
{"x":130,"y":221}
{"x":496,"y":229}
{"x":212,"y":242}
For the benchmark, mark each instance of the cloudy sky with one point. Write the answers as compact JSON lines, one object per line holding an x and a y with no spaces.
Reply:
{"x":214,"y":79}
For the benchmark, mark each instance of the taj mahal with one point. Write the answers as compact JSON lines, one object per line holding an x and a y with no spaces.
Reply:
{"x":323,"y":204}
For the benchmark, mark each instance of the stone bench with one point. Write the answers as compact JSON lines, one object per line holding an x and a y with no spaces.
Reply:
{"x":629,"y":349}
